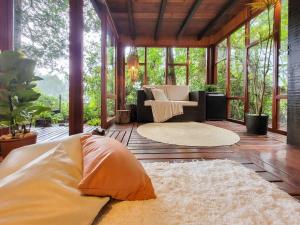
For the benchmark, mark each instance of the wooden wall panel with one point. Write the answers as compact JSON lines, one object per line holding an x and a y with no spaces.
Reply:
{"x":6,"y":25}
{"x":76,"y":67}
{"x":294,"y":73}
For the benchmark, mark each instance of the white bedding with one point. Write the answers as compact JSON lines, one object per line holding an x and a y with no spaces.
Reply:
{"x":207,"y":193}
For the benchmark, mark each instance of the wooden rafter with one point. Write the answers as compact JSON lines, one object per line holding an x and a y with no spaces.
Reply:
{"x":213,"y":22}
{"x":189,"y":17}
{"x":162,"y":9}
{"x":131,"y":19}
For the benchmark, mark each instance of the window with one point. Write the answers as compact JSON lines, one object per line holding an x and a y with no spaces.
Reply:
{"x":197,"y":68}
{"x":41,"y":32}
{"x":237,"y":74}
{"x":221,"y":65}
{"x":111,"y":75}
{"x":177,"y":66}
{"x":156,"y":66}
{"x":132,"y":87}
{"x":92,"y":65}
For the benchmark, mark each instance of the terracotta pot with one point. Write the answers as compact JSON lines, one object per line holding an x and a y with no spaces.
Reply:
{"x":6,"y":146}
{"x":4,"y":130}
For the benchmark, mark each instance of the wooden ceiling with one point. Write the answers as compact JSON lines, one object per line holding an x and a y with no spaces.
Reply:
{"x":178,"y":20}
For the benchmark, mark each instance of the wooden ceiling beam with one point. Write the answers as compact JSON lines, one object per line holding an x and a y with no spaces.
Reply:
{"x":189,"y":17}
{"x":213,"y":22}
{"x":131,"y":19}
{"x":162,"y":10}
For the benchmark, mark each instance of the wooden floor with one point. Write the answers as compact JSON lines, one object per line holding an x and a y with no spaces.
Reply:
{"x":269,"y":155}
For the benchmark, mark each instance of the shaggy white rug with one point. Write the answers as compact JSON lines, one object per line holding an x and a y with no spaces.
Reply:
{"x":206,"y":192}
{"x":188,"y":134}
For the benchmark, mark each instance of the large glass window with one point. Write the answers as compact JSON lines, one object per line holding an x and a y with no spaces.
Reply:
{"x":41,"y":32}
{"x":197,"y":68}
{"x":111,"y":75}
{"x":221,"y":66}
{"x":92,"y":65}
{"x":177,"y":66}
{"x":132,"y":87}
{"x":156,"y":66}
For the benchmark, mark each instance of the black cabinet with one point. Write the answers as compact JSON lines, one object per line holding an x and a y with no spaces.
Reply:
{"x":215,"y":106}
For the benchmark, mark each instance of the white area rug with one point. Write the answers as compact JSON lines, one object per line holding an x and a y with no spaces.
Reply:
{"x":188,"y":134}
{"x":208,"y":193}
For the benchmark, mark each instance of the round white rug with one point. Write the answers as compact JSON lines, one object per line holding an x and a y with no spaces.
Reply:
{"x":188,"y":134}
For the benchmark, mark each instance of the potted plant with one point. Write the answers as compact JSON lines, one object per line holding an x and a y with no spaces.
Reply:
{"x":211,"y":88}
{"x":257,"y":122}
{"x":17,"y":96}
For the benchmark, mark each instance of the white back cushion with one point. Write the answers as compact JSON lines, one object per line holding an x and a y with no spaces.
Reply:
{"x":159,"y":95}
{"x":177,"y":92}
{"x":44,"y":192}
{"x":21,"y":156}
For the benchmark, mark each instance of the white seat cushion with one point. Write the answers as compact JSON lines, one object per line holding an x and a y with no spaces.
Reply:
{"x":183,"y":103}
{"x":44,"y":192}
{"x":177,"y":92}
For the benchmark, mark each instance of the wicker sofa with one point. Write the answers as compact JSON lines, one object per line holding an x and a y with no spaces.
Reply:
{"x":194,"y":104}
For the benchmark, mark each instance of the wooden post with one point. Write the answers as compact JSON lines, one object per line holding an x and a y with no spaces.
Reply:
{"x":276,"y":47}
{"x":103,"y":69}
{"x":121,"y":89}
{"x":76,"y":67}
{"x":211,"y":55}
{"x":228,"y":83}
{"x":6,"y":25}
{"x":246,"y":79}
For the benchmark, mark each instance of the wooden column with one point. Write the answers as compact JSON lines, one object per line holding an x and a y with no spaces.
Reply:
{"x":121,"y":88}
{"x":76,"y":67}
{"x":276,"y":47}
{"x":293,"y":124}
{"x":228,"y":81}
{"x":211,"y":54}
{"x":6,"y":24}
{"x":103,"y":70}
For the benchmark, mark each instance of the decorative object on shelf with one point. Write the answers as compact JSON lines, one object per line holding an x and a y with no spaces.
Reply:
{"x":257,"y":122}
{"x":17,"y":98}
{"x":133,"y":64}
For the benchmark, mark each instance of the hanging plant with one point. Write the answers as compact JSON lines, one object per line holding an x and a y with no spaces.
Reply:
{"x":133,"y":64}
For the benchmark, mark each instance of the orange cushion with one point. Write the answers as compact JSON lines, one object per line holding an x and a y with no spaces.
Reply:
{"x":110,"y":169}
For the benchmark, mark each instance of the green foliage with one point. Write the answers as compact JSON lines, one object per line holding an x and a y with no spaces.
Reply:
{"x":17,"y":82}
{"x":211,"y":88}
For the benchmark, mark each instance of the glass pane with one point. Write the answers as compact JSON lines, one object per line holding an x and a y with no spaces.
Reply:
{"x":111,"y":108}
{"x":283,"y":54}
{"x":156,"y":65}
{"x":180,"y":74}
{"x":283,"y":114}
{"x":236,"y":110}
{"x":197,"y":68}
{"x":222,"y":49}
{"x":259,"y":26}
{"x":221,"y":76}
{"x":92,"y":66}
{"x":177,"y":55}
{"x":41,"y":32}
{"x":111,"y":75}
{"x":132,"y":87}
{"x":141,"y":53}
{"x":257,"y":70}
{"x":111,"y":64}
{"x":237,"y":63}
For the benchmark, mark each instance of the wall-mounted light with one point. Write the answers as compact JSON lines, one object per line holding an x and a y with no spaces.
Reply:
{"x":133,"y":64}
